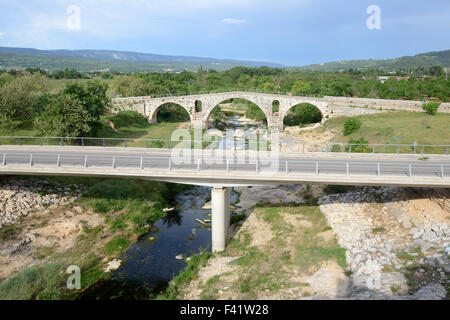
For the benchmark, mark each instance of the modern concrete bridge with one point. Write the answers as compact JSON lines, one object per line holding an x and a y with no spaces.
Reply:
{"x":222,"y":169}
{"x":200,"y":106}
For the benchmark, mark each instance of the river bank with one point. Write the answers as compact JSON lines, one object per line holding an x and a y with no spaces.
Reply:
{"x":88,"y":223}
{"x":363,"y":243}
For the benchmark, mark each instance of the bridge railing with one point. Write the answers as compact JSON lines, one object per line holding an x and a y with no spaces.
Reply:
{"x":235,"y":144}
{"x":220,"y":164}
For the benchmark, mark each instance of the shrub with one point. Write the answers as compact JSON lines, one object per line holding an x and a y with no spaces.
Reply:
{"x":129,"y":118}
{"x":236,"y":218}
{"x":431,"y":107}
{"x":336,"y":148}
{"x":255,"y":113}
{"x":303,"y":114}
{"x":351,"y":125}
{"x":171,"y":112}
{"x":358,"y":145}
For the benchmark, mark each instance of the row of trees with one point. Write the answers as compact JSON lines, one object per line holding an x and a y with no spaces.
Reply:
{"x":353,"y":83}
{"x":278,"y":80}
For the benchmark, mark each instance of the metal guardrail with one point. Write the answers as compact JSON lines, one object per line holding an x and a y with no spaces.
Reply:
{"x":287,"y":167}
{"x":415,"y":149}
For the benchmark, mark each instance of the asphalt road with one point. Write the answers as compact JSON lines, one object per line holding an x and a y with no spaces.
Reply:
{"x":164,"y":161}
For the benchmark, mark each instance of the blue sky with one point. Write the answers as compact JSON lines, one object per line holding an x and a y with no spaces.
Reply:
{"x":292,"y":32}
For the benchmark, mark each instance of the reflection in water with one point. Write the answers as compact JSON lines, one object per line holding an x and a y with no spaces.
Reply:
{"x":172,"y":218}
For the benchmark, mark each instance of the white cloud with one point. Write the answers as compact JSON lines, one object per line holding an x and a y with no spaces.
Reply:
{"x":234,"y":21}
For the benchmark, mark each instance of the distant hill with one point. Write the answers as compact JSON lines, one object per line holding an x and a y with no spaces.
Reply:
{"x":123,"y":61}
{"x":439,"y":58}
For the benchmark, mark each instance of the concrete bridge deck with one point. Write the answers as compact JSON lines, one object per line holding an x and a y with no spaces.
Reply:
{"x":222,"y":170}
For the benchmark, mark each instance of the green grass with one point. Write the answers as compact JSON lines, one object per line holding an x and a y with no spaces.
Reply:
{"x":399,"y":128}
{"x":405,"y":256}
{"x":129,"y":125}
{"x":126,"y":201}
{"x":48,"y":281}
{"x":239,"y":242}
{"x":265,"y":268}
{"x":38,"y":282}
{"x":116,"y":246}
{"x":189,"y":273}
{"x":210,"y":291}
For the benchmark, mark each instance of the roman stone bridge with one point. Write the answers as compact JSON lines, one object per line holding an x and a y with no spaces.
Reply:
{"x":275,"y":107}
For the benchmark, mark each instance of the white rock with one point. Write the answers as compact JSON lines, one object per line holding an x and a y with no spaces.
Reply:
{"x":113,"y":265}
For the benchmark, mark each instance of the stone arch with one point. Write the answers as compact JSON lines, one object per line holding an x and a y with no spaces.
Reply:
{"x":153,"y":114}
{"x":215,"y":102}
{"x":286,"y":111}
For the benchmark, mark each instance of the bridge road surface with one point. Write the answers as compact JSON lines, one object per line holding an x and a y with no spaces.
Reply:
{"x":161,"y":165}
{"x":355,"y":169}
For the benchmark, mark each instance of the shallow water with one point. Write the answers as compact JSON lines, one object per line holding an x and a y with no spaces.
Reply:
{"x":150,"y":263}
{"x":234,"y":124}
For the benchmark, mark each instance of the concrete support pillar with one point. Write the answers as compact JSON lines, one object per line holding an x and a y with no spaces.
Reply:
{"x":220,"y":204}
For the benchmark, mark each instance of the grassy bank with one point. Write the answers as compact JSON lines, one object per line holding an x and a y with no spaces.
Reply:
{"x":398,"y":128}
{"x":129,"y":208}
{"x":129,"y":125}
{"x":265,"y":263}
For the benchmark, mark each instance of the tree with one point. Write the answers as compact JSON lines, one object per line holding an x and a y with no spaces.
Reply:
{"x":300,"y":87}
{"x":255,"y":113}
{"x":269,"y":87}
{"x":64,"y":116}
{"x":217,"y":114}
{"x":436,"y":71}
{"x":92,"y":96}
{"x":17,"y":96}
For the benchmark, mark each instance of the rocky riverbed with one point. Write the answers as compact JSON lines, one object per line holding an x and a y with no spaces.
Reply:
{"x":394,"y":238}
{"x":40,"y":221}
{"x":20,"y":197}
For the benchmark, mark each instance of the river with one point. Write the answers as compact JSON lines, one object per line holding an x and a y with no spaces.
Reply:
{"x":158,"y":256}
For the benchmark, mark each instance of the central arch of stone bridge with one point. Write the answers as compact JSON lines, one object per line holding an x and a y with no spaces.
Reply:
{"x":149,"y":106}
